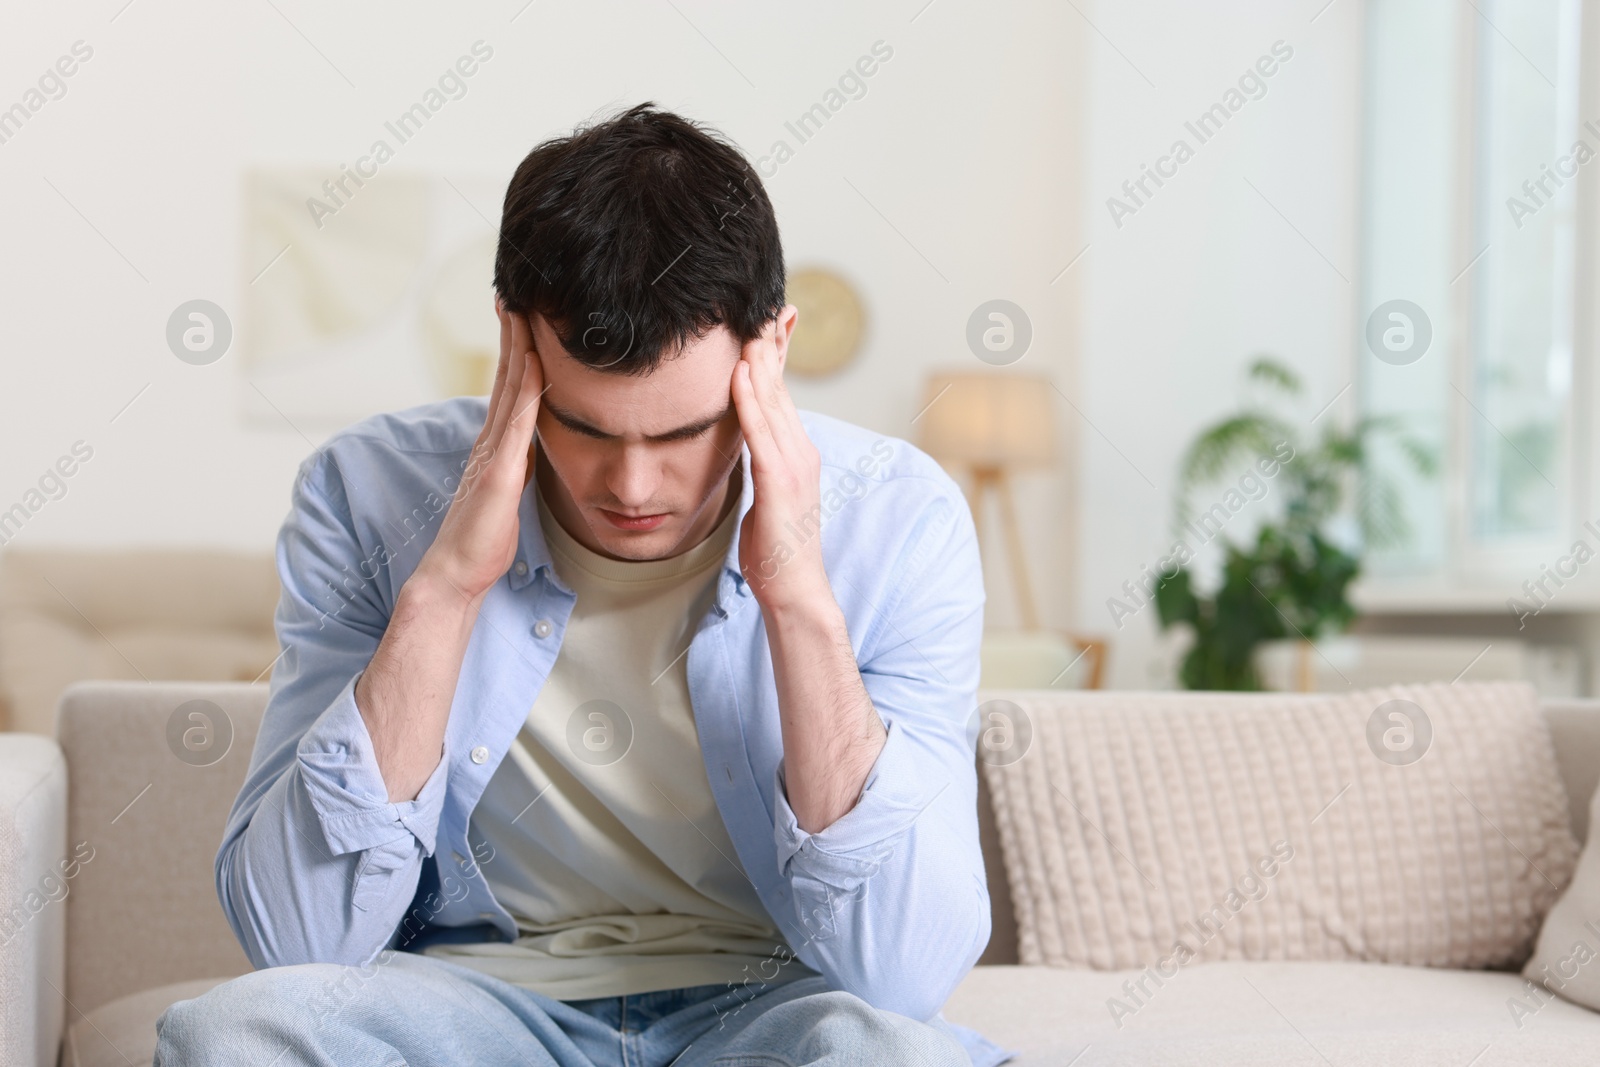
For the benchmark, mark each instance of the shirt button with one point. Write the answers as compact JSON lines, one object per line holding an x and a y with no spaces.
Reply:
{"x":486,"y":915}
{"x":542,"y":628}
{"x":459,"y":858}
{"x":522,"y":566}
{"x":480,"y":754}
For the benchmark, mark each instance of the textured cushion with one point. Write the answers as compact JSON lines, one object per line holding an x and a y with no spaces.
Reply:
{"x":1161,"y":829}
{"x":1567,"y":957}
{"x":1272,"y":1014}
{"x":124,"y":1031}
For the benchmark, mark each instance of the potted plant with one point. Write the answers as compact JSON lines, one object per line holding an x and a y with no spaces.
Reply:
{"x":1292,"y":580}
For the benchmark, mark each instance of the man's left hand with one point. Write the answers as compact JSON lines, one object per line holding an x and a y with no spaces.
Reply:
{"x":780,"y":542}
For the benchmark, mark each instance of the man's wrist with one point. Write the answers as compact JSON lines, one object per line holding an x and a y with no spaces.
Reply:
{"x":819,"y":612}
{"x":431,"y":594}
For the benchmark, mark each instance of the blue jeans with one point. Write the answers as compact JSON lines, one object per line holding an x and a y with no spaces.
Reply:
{"x":427,"y":1012}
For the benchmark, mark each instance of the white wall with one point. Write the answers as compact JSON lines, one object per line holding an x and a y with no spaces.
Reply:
{"x":1207,"y":273}
{"x":962,"y":141}
{"x":989,"y":144}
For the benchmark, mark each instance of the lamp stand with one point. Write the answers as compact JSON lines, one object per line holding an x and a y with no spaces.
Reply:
{"x":993,"y":479}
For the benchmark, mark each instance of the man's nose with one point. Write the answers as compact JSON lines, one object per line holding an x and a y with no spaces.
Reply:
{"x":634,"y":476}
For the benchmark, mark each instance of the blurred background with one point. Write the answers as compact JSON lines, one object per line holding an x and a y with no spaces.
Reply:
{"x":1255,"y":331}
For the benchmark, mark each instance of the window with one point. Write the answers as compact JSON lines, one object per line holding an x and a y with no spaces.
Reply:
{"x":1476,"y":162}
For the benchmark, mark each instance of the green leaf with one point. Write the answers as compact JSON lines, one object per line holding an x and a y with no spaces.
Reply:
{"x":1175,"y":600}
{"x":1269,"y":371}
{"x":1292,"y":582}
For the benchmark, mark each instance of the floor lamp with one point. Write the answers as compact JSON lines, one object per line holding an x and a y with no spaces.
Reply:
{"x":991,"y":424}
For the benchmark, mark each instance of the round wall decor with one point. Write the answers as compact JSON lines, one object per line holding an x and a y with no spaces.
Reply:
{"x":828,"y":333}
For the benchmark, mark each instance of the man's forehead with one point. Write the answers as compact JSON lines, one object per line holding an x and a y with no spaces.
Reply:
{"x":683,"y":393}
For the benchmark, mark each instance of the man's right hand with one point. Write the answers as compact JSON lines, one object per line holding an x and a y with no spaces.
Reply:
{"x":405,"y":693}
{"x":477,"y":539}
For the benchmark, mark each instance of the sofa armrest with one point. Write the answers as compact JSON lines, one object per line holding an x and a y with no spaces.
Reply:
{"x":33,"y":886}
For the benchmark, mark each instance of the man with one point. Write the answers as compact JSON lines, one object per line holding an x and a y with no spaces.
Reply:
{"x":622,"y":717}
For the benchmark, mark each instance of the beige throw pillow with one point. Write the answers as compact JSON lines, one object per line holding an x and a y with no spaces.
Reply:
{"x":1567,"y":958}
{"x":1413,"y":825}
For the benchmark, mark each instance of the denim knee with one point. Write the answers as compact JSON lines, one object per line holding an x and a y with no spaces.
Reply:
{"x":264,"y":1010}
{"x":839,"y":1027}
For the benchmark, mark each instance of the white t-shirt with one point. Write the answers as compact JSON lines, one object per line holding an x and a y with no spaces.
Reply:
{"x":609,"y":851}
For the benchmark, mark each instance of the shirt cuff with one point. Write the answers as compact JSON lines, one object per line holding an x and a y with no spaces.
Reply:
{"x":340,"y":771}
{"x":851,"y":849}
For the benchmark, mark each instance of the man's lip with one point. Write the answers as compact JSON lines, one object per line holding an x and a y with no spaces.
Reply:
{"x":638,"y":523}
{"x":641,"y":515}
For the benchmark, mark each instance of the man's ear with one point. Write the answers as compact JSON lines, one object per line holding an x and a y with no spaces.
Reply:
{"x":782,"y":329}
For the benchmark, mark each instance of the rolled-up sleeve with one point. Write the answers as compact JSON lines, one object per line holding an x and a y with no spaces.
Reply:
{"x":339,"y":770}
{"x":852,"y":848}
{"x":891,"y":897}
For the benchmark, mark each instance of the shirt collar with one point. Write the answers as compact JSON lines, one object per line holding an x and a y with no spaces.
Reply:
{"x":533,"y":557}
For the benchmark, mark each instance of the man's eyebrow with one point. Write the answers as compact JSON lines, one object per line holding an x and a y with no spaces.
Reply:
{"x":578,"y":425}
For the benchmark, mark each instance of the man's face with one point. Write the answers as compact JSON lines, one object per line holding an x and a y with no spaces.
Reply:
{"x":640,"y":460}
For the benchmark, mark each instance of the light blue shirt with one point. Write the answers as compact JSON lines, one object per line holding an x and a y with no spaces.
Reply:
{"x":888,"y":902}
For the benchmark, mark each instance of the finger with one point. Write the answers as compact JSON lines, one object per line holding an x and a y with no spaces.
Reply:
{"x":530,"y":388}
{"x":484,"y":447}
{"x":499,"y":373}
{"x":767,"y":398}
{"x":511,"y":382}
{"x":785,"y":402}
{"x":505,"y":352}
{"x":765,"y":455}
{"x":489,"y":446}
{"x":509,"y":463}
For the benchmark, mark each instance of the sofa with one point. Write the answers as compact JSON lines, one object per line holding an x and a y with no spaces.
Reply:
{"x":108,"y":831}
{"x":71,"y":614}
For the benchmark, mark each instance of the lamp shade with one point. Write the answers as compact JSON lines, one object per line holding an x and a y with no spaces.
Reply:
{"x":988,"y":419}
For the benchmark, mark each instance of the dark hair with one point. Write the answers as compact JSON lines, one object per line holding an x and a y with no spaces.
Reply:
{"x":636,"y":236}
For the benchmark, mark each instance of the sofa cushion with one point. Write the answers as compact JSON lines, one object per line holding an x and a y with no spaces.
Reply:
{"x":124,"y":1031}
{"x":1245,"y":1013}
{"x":1351,"y":1014}
{"x":1566,"y":959}
{"x":68,"y":614}
{"x":144,"y":911}
{"x":1157,"y":829}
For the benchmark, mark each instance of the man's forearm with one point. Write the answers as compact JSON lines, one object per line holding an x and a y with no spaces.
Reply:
{"x":831,"y":733}
{"x":405,"y":693}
